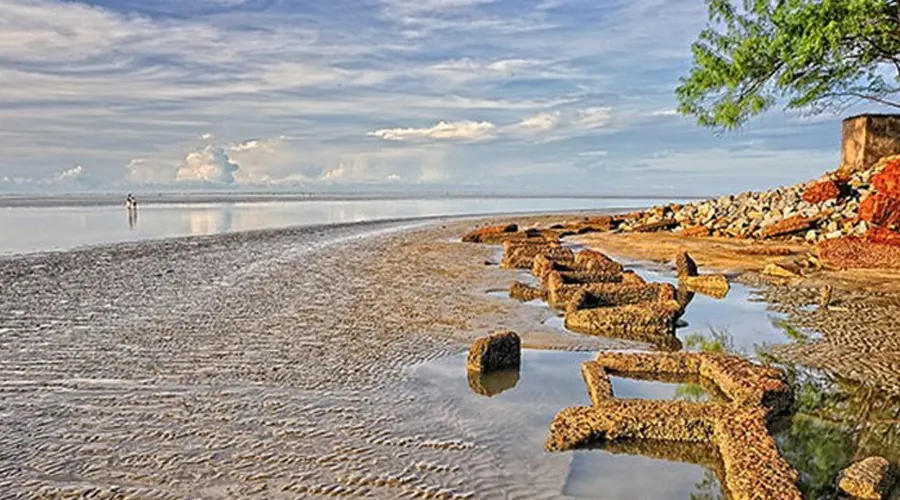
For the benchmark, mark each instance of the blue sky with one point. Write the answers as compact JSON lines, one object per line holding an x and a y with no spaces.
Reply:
{"x":527,"y":96}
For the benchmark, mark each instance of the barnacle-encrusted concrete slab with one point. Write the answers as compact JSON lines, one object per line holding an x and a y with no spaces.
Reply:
{"x":525,"y":292}
{"x":870,"y":479}
{"x":652,"y":322}
{"x":753,"y":467}
{"x":498,"y":351}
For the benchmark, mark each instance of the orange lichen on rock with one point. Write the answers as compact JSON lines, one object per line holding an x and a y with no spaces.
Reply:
{"x":887,"y":181}
{"x":491,"y":234}
{"x":883,"y":235}
{"x":880,"y":209}
{"x":858,"y":253}
{"x":823,"y":191}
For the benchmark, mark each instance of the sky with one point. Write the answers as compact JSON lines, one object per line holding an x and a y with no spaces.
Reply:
{"x":493,"y":96}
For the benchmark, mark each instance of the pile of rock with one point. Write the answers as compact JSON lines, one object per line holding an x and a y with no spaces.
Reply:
{"x":836,"y":205}
{"x":752,"y":396}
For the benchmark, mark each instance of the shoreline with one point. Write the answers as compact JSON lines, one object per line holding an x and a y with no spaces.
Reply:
{"x":285,"y":359}
{"x":115,"y":199}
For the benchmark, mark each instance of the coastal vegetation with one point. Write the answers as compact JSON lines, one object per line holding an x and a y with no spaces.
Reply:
{"x":814,"y":55}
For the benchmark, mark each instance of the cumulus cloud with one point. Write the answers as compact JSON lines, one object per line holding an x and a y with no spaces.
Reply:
{"x":211,"y":164}
{"x":70,"y":174}
{"x":542,"y":121}
{"x":465,"y":130}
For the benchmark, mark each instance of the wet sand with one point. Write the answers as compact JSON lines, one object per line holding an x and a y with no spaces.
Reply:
{"x":284,"y":364}
{"x":259,"y":363}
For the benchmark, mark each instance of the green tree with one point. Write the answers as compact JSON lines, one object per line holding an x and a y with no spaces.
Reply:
{"x":813,"y":54}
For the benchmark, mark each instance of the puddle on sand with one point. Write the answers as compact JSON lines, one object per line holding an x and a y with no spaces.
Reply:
{"x":745,"y":321}
{"x":524,"y":403}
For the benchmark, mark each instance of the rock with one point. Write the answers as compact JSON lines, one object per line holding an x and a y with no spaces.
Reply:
{"x":495,"y":352}
{"x":685,"y":265}
{"x":825,"y":297}
{"x":880,"y":209}
{"x":788,"y":226}
{"x":490,"y":234}
{"x":764,"y":250}
{"x":655,"y":226}
{"x":525,"y":293}
{"x":887,"y":182}
{"x":858,"y":253}
{"x":779,"y":271}
{"x":823,"y":191}
{"x":870,"y":479}
{"x":883,"y":235}
{"x":713,"y":285}
{"x":695,"y":232}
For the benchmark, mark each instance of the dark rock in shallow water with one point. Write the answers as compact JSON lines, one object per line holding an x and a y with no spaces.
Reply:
{"x":495,"y":352}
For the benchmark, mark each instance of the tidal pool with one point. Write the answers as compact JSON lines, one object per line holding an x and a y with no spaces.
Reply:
{"x":526,"y":400}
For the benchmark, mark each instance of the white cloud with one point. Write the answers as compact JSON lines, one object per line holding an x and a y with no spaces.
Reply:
{"x":542,"y":121}
{"x":211,"y":164}
{"x":144,"y":171}
{"x":70,"y":174}
{"x":423,"y":6}
{"x":465,"y":130}
{"x":592,"y":154}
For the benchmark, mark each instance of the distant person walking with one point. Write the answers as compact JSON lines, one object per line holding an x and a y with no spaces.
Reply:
{"x":130,"y":202}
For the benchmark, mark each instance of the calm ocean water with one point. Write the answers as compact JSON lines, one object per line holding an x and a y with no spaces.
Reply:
{"x":42,"y":228}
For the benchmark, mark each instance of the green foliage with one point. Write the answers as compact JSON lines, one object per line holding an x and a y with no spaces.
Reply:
{"x":717,"y":341}
{"x":814,"y":54}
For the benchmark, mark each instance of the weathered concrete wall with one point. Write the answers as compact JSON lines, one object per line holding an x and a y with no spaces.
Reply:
{"x":867,"y":138}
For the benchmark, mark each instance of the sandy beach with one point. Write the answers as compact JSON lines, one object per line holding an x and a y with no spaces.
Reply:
{"x":294,"y":363}
{"x":246,"y":363}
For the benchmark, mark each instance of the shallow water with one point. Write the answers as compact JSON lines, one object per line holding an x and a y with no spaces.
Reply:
{"x":527,"y":402}
{"x":42,"y":228}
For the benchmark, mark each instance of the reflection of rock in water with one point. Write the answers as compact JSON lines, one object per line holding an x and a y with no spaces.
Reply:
{"x":704,"y":454}
{"x":491,"y":384}
{"x":684,"y":297}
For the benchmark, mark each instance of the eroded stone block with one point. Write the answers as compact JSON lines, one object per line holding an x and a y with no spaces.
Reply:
{"x":498,"y":351}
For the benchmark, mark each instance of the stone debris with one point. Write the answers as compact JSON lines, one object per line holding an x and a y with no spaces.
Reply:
{"x":685,"y":265}
{"x":615,"y":294}
{"x":714,"y":285}
{"x":838,"y":204}
{"x":495,"y":352}
{"x":779,"y":271}
{"x":491,"y":234}
{"x":858,"y":253}
{"x":526,"y":293}
{"x":825,"y":297}
{"x":869,"y":479}
{"x":646,"y":321}
{"x":753,"y":467}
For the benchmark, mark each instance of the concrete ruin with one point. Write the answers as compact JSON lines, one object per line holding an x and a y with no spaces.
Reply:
{"x":753,"y":467}
{"x":867,"y":138}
